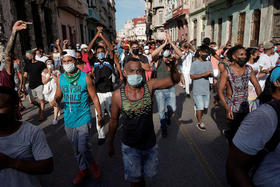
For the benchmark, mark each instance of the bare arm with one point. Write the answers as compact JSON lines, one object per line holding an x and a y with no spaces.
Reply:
{"x":198,"y":76}
{"x":118,"y":66}
{"x":159,"y":49}
{"x":94,"y":98}
{"x":255,"y":82}
{"x":58,"y":46}
{"x":31,"y":167}
{"x":176,"y":49}
{"x":93,"y":40}
{"x":114,"y":121}
{"x":58,"y":94}
{"x":65,"y":42}
{"x":108,"y":44}
{"x":237,"y":163}
{"x":156,"y":84}
{"x":222,"y":85}
{"x":18,"y":26}
{"x":45,"y":80}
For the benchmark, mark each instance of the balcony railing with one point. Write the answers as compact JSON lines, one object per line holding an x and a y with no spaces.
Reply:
{"x":92,"y":14}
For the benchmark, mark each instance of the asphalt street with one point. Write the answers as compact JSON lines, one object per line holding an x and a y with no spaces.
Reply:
{"x":187,"y":157}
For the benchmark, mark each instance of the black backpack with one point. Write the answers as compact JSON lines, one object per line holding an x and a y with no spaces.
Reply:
{"x":271,"y":145}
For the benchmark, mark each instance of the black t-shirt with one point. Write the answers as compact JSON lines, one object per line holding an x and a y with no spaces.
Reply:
{"x":34,"y":71}
{"x":212,"y":51}
{"x":143,"y":58}
{"x":103,"y":75}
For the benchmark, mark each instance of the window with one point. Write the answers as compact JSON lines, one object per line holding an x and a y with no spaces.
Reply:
{"x":229,"y":28}
{"x":213,"y":30}
{"x":220,"y":21}
{"x":256,"y":28}
{"x":195,"y":29}
{"x":64,"y":34}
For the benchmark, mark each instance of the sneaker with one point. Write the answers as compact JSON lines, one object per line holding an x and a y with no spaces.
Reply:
{"x":205,"y":111}
{"x":96,"y":170}
{"x":164,"y":133}
{"x":188,"y":96}
{"x":201,"y":126}
{"x":101,"y":141}
{"x":54,"y":122}
{"x":168,"y":120}
{"x":82,"y":175}
{"x":22,"y":108}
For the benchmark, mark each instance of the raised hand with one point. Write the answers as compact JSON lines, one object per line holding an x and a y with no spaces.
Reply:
{"x":100,"y":29}
{"x":65,"y":42}
{"x":20,"y":25}
{"x":57,"y":42}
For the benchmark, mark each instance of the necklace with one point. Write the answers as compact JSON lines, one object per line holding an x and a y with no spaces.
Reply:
{"x":131,"y":104}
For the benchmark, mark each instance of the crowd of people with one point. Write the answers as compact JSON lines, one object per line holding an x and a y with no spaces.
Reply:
{"x":121,"y":78}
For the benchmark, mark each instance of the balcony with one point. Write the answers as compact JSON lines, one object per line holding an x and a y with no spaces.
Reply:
{"x":168,"y":16}
{"x":92,"y":14}
{"x":180,"y":11}
{"x":77,"y":7}
{"x":157,"y":5}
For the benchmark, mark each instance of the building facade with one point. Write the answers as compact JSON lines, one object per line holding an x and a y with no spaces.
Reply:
{"x":71,"y":21}
{"x":74,"y":20}
{"x":245,"y":22}
{"x":42,"y":33}
{"x":197,"y":21}
{"x":176,"y":18}
{"x":155,"y":18}
{"x":102,"y":13}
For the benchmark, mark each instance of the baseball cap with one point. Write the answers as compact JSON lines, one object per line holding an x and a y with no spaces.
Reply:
{"x":84,"y":46}
{"x":69,"y":52}
{"x":268,"y":45}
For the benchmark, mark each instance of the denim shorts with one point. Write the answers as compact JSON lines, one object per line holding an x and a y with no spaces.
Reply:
{"x":139,"y":163}
{"x":201,"y":101}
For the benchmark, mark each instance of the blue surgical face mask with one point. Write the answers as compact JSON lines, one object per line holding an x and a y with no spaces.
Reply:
{"x":134,"y":80}
{"x":275,"y":49}
{"x":101,"y":56}
{"x":166,"y":53}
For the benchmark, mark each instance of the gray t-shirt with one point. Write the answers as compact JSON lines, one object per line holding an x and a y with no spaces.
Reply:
{"x":255,"y":131}
{"x":201,"y":86}
{"x":27,"y":143}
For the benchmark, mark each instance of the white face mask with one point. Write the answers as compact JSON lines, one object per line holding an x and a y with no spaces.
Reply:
{"x":69,"y":68}
{"x":147,"y":51}
{"x":50,"y":66}
{"x":215,"y":48}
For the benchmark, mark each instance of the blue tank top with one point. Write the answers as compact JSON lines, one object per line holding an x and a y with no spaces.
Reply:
{"x":76,"y":109}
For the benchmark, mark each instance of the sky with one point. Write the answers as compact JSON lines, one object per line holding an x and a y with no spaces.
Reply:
{"x":128,"y":9}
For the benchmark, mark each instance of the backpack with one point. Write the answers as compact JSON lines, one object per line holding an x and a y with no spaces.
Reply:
{"x":271,"y":144}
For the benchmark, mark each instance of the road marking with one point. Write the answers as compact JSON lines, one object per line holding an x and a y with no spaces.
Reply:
{"x":199,"y":156}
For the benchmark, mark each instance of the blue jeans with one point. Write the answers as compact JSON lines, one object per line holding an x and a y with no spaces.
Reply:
{"x":201,"y":101}
{"x":165,"y":99}
{"x":139,"y":163}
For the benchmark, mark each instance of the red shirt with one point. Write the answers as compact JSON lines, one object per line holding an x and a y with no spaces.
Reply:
{"x":6,"y":79}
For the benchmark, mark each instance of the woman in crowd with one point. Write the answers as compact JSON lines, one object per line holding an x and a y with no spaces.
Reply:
{"x":49,"y":79}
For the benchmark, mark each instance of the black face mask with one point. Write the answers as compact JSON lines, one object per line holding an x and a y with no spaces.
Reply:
{"x":204,"y":57}
{"x":135,"y":51}
{"x":241,"y":61}
{"x":256,"y":59}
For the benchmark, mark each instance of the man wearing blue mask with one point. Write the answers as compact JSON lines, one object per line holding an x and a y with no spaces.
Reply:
{"x":166,"y":98}
{"x":134,"y":101}
{"x":103,"y":70}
